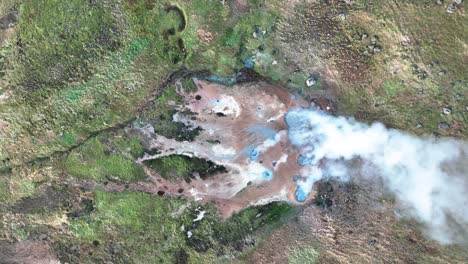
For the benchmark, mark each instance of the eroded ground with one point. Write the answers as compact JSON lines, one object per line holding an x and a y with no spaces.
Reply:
{"x":242,"y":130}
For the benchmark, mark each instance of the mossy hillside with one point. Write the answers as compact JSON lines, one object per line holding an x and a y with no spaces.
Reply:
{"x":37,"y":215}
{"x":153,"y":229}
{"x":7,"y":15}
{"x":141,"y":222}
{"x":445,"y":253}
{"x":420,"y":70}
{"x":305,"y":43}
{"x":21,"y":227}
{"x":206,"y":23}
{"x":6,"y":6}
{"x":261,"y":29}
{"x":241,"y":232}
{"x":182,"y":40}
{"x":303,"y":255}
{"x":108,"y":157}
{"x":214,"y":37}
{"x":13,"y":188}
{"x":24,"y":182}
{"x":60,"y":41}
{"x":99,"y":102}
{"x":429,"y":78}
{"x":58,"y":119}
{"x":118,"y":82}
{"x":153,"y":21}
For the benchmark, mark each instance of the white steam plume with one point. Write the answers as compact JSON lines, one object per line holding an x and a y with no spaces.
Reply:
{"x":426,"y":174}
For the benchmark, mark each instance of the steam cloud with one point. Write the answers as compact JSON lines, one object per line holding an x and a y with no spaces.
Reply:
{"x":426,"y":174}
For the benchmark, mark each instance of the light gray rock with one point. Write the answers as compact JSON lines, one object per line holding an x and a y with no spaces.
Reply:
{"x":451,"y":8}
{"x":311,"y":81}
{"x":443,"y":126}
{"x":446,"y":111}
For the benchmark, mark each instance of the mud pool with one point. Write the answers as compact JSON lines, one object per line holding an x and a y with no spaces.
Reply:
{"x":243,"y":129}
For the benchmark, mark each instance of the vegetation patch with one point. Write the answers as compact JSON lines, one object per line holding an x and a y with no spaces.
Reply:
{"x":176,"y":167}
{"x":59,"y":41}
{"x":140,"y":223}
{"x":240,"y":232}
{"x":161,"y":23}
{"x":303,"y":255}
{"x":420,"y":70}
{"x":106,"y":159}
{"x":149,"y":229}
{"x":160,"y":115}
{"x":23,"y":182}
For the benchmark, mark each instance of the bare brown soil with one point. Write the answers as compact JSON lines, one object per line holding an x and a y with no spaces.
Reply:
{"x":360,"y":226}
{"x":26,"y":252}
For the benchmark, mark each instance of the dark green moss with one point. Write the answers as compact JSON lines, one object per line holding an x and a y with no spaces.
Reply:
{"x":162,"y":23}
{"x":59,"y":41}
{"x":240,"y":232}
{"x":152,"y":229}
{"x":161,"y":112}
{"x":165,"y":126}
{"x":50,"y":199}
{"x":189,"y":86}
{"x":183,"y":167}
{"x":106,"y":158}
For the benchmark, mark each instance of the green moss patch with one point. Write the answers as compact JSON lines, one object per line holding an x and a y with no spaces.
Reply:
{"x":176,"y":167}
{"x":303,"y":255}
{"x":239,"y":233}
{"x":161,"y":111}
{"x":392,"y":87}
{"x":23,"y":182}
{"x":141,"y":224}
{"x":154,"y":229}
{"x":60,"y":40}
{"x":102,"y":159}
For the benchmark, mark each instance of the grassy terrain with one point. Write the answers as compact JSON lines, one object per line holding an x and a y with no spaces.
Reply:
{"x":422,"y":68}
{"x":258,"y":42}
{"x":105,"y":158}
{"x":6,"y":6}
{"x":61,"y":48}
{"x":209,"y":18}
{"x":139,"y":220}
{"x":86,"y":78}
{"x":179,"y":167}
{"x":57,"y":118}
{"x":306,"y":255}
{"x":152,"y":229}
{"x":400,"y":62}
{"x":23,"y":182}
